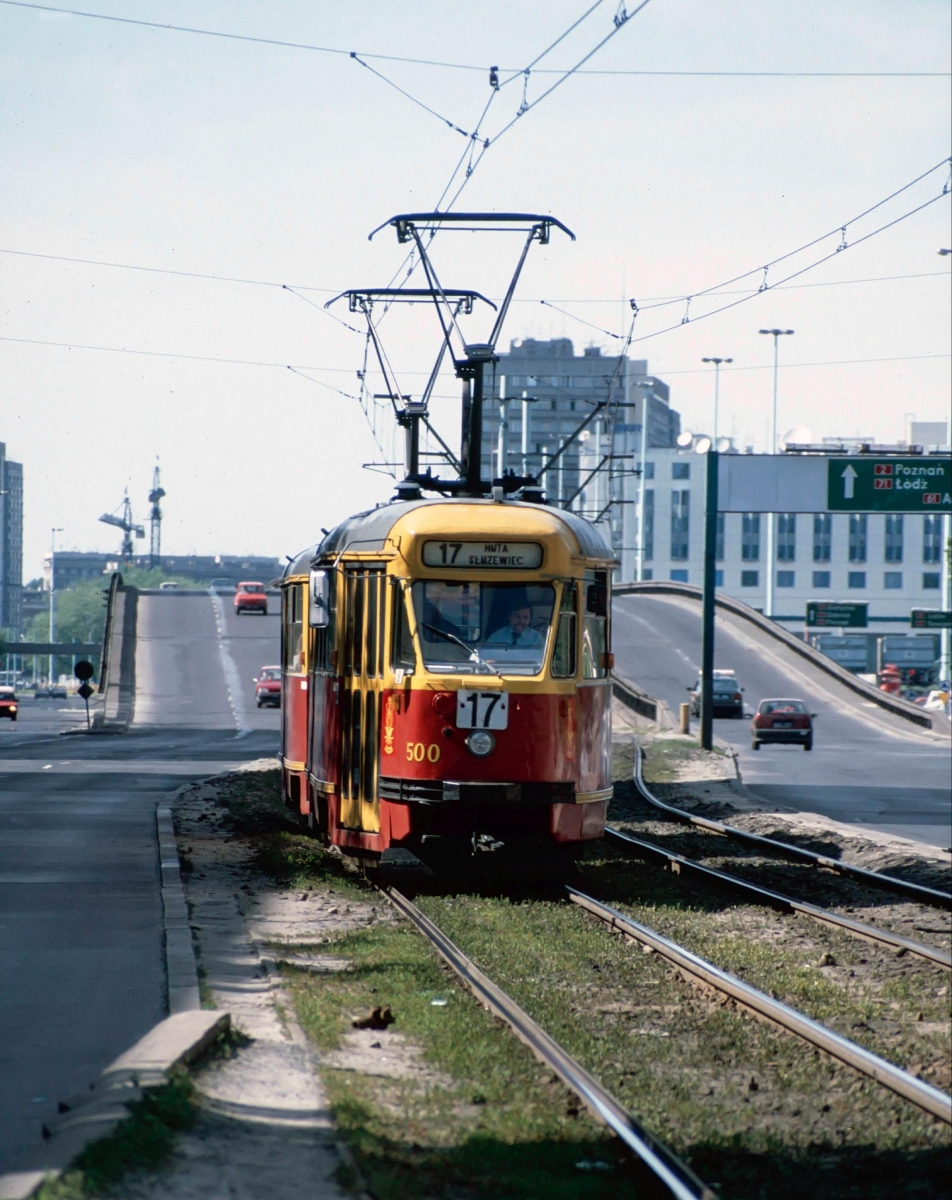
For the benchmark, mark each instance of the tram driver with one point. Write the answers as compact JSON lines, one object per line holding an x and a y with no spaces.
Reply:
{"x":518,"y":631}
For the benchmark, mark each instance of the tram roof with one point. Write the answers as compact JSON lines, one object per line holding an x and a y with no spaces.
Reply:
{"x":368,"y":531}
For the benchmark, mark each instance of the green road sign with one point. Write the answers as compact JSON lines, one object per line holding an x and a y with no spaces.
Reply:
{"x":895,"y":484}
{"x":842,"y":615}
{"x":930,"y":618}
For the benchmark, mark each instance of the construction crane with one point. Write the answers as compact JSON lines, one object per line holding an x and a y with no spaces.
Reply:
{"x":155,"y":519}
{"x":126,"y":524}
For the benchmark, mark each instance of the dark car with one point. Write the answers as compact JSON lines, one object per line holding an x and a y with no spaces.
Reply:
{"x":785,"y":721}
{"x":8,"y":703}
{"x":268,"y":687}
{"x":727,"y":695}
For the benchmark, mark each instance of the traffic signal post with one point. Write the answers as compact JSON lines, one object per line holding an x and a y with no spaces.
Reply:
{"x":84,"y":672}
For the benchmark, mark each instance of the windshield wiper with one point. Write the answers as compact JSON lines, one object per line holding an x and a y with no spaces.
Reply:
{"x":471,"y":651}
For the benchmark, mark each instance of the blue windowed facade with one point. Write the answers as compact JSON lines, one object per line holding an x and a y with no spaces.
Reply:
{"x":858,"y":529}
{"x":680,"y":524}
{"x":679,"y":576}
{"x":821,"y":579}
{"x":892,"y":550}
{"x":856,"y":579}
{"x":786,"y":579}
{"x":750,"y":539}
{"x":822,"y":537}
{"x":786,"y":537}
{"x":892,"y":580}
{"x":649,"y":524}
{"x":750,"y":579}
{"x":932,"y":538}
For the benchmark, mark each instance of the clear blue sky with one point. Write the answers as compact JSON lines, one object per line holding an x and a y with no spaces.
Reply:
{"x":137,"y":145}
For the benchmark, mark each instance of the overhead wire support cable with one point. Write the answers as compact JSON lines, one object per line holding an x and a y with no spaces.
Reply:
{"x":838,"y":229}
{"x":480,"y":68}
{"x":309,"y":287}
{"x":413,"y":99}
{"x":763,"y":287}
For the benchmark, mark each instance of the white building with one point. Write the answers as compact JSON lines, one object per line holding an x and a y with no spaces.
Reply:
{"x":892,"y":562}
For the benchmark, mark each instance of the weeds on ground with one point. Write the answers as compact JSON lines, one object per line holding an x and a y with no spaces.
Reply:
{"x":142,"y":1142}
{"x":486,"y":1119}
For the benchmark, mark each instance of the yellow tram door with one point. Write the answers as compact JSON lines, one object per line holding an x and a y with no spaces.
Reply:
{"x":361,"y":688}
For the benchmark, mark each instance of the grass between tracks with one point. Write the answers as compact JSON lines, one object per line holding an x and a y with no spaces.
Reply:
{"x":755,"y":1112}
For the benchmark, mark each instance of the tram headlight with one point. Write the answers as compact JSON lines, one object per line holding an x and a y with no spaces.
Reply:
{"x":481,"y":742}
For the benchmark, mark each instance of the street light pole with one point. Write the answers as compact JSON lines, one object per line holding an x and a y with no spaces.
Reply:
{"x":53,"y":532}
{"x":776,"y":334}
{"x":717,"y":386}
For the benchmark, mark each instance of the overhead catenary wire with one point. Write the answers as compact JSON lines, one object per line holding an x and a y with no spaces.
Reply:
{"x":765,"y":287}
{"x":764,"y":268}
{"x":479,"y":68}
{"x":335,"y":291}
{"x":249,"y":362}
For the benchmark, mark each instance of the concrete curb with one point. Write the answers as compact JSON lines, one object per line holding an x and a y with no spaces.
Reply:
{"x":180,"y":966}
{"x":95,"y":1114}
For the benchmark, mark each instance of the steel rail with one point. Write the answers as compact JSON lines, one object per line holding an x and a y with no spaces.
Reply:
{"x":677,"y":1177}
{"x":889,"y":883}
{"x":871,"y":933}
{"x":922,"y":1094}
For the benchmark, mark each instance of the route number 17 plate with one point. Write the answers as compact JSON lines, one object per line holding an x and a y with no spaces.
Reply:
{"x":481,"y":710}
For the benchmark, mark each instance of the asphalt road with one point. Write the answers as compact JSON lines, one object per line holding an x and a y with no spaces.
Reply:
{"x":81,"y":951}
{"x":867,"y":767}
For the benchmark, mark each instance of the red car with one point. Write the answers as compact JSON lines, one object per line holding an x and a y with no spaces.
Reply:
{"x":8,"y":703}
{"x":268,"y":687}
{"x":251,"y":597}
{"x":782,"y":721}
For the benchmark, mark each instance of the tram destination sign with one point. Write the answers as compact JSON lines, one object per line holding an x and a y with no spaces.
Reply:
{"x":483,"y":556}
{"x":841,"y":615}
{"x":863,"y":483}
{"x":930,"y":618}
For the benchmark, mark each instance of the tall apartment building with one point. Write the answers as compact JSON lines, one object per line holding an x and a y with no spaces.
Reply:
{"x":544,"y":391}
{"x":11,"y":542}
{"x":894,"y":562}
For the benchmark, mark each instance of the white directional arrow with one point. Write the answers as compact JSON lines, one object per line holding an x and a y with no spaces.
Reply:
{"x":849,"y":480}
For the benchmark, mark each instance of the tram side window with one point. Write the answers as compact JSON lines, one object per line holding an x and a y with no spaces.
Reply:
{"x":563,"y":655}
{"x":325,"y":637}
{"x":402,"y":655}
{"x":293,"y":629}
{"x":595,"y":625}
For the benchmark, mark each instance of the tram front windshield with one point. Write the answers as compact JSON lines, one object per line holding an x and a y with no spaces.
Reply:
{"x":475,"y":628}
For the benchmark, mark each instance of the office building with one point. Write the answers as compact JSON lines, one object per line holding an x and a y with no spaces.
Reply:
{"x":544,"y":392}
{"x":11,"y":543}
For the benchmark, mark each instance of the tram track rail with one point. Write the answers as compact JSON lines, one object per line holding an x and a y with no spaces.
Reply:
{"x":679,"y":1180}
{"x":680,"y":865}
{"x":926,"y":1097}
{"x":932,"y":897}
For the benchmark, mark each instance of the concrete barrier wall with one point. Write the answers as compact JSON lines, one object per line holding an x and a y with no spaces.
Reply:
{"x":117,"y":683}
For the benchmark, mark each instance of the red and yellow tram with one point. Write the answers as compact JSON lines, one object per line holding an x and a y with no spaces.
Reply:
{"x":446,"y":684}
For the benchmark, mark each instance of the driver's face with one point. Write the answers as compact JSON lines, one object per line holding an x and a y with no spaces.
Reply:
{"x":519,"y":619}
